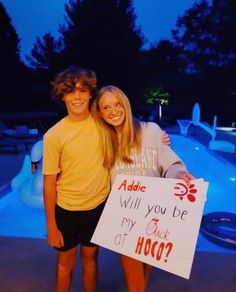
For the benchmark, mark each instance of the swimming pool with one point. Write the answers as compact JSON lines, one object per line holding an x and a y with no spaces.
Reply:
{"x":18,"y":220}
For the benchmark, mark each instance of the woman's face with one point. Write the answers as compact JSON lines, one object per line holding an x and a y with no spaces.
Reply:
{"x":111,"y":110}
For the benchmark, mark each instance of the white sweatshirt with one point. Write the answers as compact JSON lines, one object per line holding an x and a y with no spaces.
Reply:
{"x":155,"y":159}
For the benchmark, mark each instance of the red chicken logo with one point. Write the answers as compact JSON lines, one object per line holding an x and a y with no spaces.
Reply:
{"x":183,"y":190}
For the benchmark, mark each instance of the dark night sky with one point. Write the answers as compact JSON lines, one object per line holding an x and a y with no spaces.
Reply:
{"x":33,"y":18}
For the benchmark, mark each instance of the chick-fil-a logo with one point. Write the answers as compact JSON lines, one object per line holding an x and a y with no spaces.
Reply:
{"x":185,"y":190}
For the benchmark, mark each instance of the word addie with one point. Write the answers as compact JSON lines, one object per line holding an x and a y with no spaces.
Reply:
{"x":134,"y":186}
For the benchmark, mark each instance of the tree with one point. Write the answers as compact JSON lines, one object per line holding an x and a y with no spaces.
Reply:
{"x":163,"y":65}
{"x":45,"y":53}
{"x":9,"y":49}
{"x":45,"y":63}
{"x":12,"y":71}
{"x":206,"y":35}
{"x":100,"y":35}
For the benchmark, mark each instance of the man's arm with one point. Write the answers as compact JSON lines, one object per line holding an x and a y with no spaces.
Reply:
{"x":54,"y":235}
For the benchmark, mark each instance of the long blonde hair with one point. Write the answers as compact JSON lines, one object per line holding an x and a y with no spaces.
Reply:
{"x":130,"y":134}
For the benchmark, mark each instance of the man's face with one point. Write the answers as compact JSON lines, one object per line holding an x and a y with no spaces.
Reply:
{"x":77,"y":102}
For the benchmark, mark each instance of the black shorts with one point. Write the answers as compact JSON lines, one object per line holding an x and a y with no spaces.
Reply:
{"x":77,"y":226}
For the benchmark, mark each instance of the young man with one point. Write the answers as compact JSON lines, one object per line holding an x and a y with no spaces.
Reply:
{"x":76,"y":183}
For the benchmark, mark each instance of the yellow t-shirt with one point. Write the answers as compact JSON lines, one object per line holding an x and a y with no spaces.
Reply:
{"x":73,"y":151}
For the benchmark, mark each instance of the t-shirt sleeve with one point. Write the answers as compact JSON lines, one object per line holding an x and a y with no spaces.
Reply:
{"x":51,"y":154}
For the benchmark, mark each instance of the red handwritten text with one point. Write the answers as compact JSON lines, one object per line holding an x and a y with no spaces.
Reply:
{"x":134,"y":186}
{"x":158,"y":250}
{"x":153,"y":229}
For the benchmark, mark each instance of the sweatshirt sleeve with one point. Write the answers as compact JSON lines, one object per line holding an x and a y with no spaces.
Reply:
{"x":169,"y":163}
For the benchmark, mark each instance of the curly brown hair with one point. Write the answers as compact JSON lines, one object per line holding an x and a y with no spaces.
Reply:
{"x":65,"y":82}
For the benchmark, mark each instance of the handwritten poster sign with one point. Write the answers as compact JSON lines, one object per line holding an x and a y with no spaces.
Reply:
{"x":153,"y":220}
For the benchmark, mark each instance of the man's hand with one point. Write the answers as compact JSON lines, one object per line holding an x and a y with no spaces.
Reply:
{"x":186,"y":176}
{"x":55,"y":237}
{"x":165,"y":139}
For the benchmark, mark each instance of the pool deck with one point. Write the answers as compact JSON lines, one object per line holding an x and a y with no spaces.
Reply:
{"x":29,"y":264}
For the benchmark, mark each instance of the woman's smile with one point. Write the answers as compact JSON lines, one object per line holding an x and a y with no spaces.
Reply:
{"x":112,"y":111}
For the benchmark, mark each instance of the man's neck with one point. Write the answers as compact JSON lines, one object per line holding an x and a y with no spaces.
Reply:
{"x":78,"y":118}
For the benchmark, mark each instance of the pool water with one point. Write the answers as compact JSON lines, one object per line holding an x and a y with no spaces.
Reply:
{"x":18,"y":220}
{"x":205,"y":163}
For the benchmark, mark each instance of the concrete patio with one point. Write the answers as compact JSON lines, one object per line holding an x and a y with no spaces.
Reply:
{"x":28,"y":265}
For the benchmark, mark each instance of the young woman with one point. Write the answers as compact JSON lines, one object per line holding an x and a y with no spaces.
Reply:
{"x":137,"y":149}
